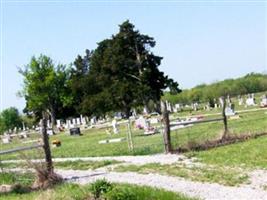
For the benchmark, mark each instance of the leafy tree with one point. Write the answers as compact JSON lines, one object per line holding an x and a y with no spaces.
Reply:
{"x":10,"y":119}
{"x":79,"y":80}
{"x":45,"y":87}
{"x":251,"y":83}
{"x":2,"y":126}
{"x":121,"y":73}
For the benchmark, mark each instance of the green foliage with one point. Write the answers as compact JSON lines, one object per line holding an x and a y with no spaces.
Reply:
{"x":251,"y":83}
{"x":45,"y":86}
{"x":122,"y":193}
{"x":29,"y":120}
{"x":9,"y":119}
{"x":25,"y":179}
{"x":75,"y":191}
{"x":100,"y":187}
{"x":121,"y":73}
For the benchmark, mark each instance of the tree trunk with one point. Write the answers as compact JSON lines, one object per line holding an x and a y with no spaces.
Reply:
{"x":127,"y":112}
{"x":47,"y":151}
{"x":166,"y":132}
{"x":53,"y":118}
{"x":157,"y":107}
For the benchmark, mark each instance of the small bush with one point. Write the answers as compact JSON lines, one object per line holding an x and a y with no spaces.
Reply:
{"x":121,"y":193}
{"x":100,"y":187}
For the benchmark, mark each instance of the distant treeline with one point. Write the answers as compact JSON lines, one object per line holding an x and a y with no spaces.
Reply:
{"x":251,"y":83}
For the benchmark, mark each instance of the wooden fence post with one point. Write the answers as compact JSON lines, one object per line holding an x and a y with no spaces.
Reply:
{"x":130,"y":139}
{"x":166,"y":132}
{"x":224,"y":118}
{"x":47,"y":151}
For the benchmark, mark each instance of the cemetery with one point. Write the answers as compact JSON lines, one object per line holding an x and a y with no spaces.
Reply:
{"x":96,"y":141}
{"x":112,"y":124}
{"x":118,"y":132}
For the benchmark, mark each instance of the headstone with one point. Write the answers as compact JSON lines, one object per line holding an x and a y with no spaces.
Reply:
{"x":154,"y":120}
{"x":263,"y":101}
{"x":195,"y":106}
{"x":145,"y":111}
{"x":23,"y":134}
{"x":250,"y":101}
{"x":58,"y":123}
{"x":23,"y":125}
{"x":229,"y":101}
{"x":111,"y":140}
{"x":134,"y":113}
{"x":240,"y":101}
{"x":75,"y":131}
{"x":149,"y":130}
{"x":140,"y":122}
{"x":176,"y":107}
{"x":6,"y":140}
{"x":83,"y":120}
{"x":169,"y":106}
{"x":207,"y":107}
{"x":78,"y":121}
{"x":115,"y":126}
{"x":68,"y":124}
{"x":50,"y":131}
{"x":229,"y":111}
{"x":48,"y":124}
{"x":93,"y":120}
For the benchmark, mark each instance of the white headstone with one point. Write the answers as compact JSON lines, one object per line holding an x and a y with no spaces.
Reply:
{"x":140,"y":122}
{"x":250,"y":102}
{"x":6,"y":140}
{"x":229,"y":111}
{"x":50,"y":132}
{"x":58,"y":123}
{"x":115,"y":126}
{"x":78,"y":121}
{"x":23,"y":125}
{"x":73,"y":121}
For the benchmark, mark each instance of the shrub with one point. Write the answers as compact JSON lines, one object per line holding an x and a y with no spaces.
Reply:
{"x":100,"y":187}
{"x":121,"y":193}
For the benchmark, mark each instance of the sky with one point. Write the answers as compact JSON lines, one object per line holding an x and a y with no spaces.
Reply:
{"x":200,"y":41}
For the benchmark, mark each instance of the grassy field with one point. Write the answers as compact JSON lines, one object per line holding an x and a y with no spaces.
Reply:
{"x":87,"y":144}
{"x":76,"y":192}
{"x":188,"y":111}
{"x":249,"y":154}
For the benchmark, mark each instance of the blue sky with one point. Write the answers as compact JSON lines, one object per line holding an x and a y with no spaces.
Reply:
{"x":200,"y":41}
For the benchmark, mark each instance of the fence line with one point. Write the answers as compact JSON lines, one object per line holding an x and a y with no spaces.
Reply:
{"x":20,"y":149}
{"x":198,"y":122}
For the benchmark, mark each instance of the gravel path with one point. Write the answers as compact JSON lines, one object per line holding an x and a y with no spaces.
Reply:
{"x":138,"y":160}
{"x":193,"y":189}
{"x":254,"y":190}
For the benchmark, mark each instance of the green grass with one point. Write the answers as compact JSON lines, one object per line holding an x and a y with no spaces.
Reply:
{"x":77,"y":192}
{"x":188,"y":111}
{"x":16,"y":178}
{"x":75,"y":165}
{"x":230,"y":177}
{"x":249,"y":123}
{"x":87,"y":144}
{"x":249,"y":154}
